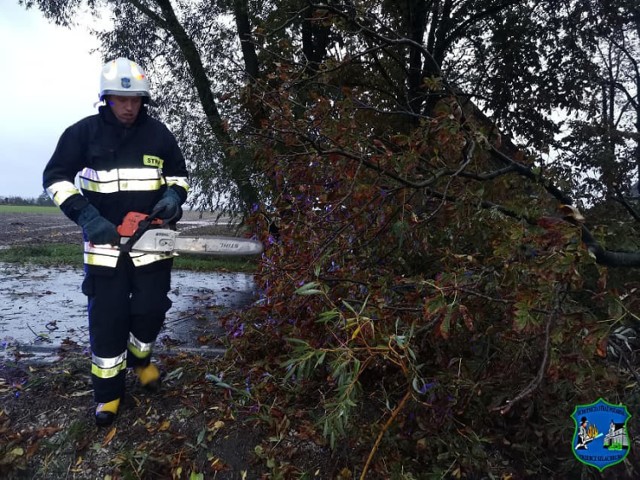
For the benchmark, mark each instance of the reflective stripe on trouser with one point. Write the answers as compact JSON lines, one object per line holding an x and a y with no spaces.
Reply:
{"x":127,"y":307}
{"x":108,"y":367}
{"x":140,"y":349}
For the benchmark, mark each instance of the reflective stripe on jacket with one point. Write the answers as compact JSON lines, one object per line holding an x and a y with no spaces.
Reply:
{"x":107,"y":256}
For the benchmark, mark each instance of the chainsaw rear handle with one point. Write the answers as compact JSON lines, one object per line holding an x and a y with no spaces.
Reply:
{"x":134,"y":220}
{"x":135,"y":224}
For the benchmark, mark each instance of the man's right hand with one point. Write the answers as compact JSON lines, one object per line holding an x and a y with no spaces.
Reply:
{"x":97,"y":229}
{"x":101,"y":231}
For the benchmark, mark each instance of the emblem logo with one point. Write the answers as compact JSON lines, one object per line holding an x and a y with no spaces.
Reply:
{"x":600,"y":438}
{"x":125,"y":82}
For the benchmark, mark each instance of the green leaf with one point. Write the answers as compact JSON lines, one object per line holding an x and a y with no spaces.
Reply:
{"x":297,"y":341}
{"x":327,"y":316}
{"x":521,"y":317}
{"x":320,"y":359}
{"x":309,"y":289}
{"x":201,"y":435}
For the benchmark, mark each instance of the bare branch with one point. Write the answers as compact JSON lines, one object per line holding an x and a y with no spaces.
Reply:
{"x":535,"y":383}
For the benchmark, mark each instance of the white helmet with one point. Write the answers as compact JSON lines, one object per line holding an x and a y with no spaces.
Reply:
{"x":123,"y":77}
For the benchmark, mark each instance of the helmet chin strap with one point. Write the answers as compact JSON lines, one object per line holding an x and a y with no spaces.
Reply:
{"x":100,"y":101}
{"x":145,"y":101}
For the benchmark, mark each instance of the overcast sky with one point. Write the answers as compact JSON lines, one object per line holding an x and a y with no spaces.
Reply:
{"x":48,"y":81}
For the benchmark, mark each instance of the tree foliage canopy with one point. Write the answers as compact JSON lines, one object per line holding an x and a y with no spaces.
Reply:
{"x":415,"y":169}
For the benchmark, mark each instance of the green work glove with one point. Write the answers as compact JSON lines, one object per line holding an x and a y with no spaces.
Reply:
{"x":97,"y":229}
{"x":168,"y":206}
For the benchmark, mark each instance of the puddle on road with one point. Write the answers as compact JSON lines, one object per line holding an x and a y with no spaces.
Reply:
{"x":41,"y":307}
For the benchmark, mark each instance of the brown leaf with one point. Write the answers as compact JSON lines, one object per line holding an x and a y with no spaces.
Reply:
{"x":445,"y":326}
{"x":466,"y":316}
{"x":109,"y":437}
{"x":601,"y":347}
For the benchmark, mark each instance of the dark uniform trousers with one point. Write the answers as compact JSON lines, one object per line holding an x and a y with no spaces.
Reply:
{"x":127,"y":309}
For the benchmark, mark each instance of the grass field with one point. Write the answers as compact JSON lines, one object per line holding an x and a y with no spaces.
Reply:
{"x":31,"y":222}
{"x":29,"y":209}
{"x":62,"y":254}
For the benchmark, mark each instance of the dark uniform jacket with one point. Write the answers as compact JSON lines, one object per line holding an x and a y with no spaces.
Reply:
{"x":117,"y":169}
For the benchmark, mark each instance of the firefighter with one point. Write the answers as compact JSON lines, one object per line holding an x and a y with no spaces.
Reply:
{"x":104,"y":166}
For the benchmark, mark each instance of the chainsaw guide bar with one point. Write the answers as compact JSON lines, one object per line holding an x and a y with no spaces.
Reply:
{"x":160,"y":240}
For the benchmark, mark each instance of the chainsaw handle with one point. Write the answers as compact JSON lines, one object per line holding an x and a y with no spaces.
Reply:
{"x":140,"y":223}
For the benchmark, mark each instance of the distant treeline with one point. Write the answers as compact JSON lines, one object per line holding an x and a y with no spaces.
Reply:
{"x":42,"y":200}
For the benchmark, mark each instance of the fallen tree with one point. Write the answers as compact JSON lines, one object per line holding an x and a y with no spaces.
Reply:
{"x":434,"y":282}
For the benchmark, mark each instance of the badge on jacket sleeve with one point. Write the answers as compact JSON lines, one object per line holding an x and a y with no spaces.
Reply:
{"x":600,"y":438}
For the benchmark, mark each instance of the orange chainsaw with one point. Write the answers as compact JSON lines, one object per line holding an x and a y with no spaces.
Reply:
{"x":140,"y":232}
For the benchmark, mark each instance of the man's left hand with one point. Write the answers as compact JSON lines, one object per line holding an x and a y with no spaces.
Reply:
{"x":168,"y":206}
